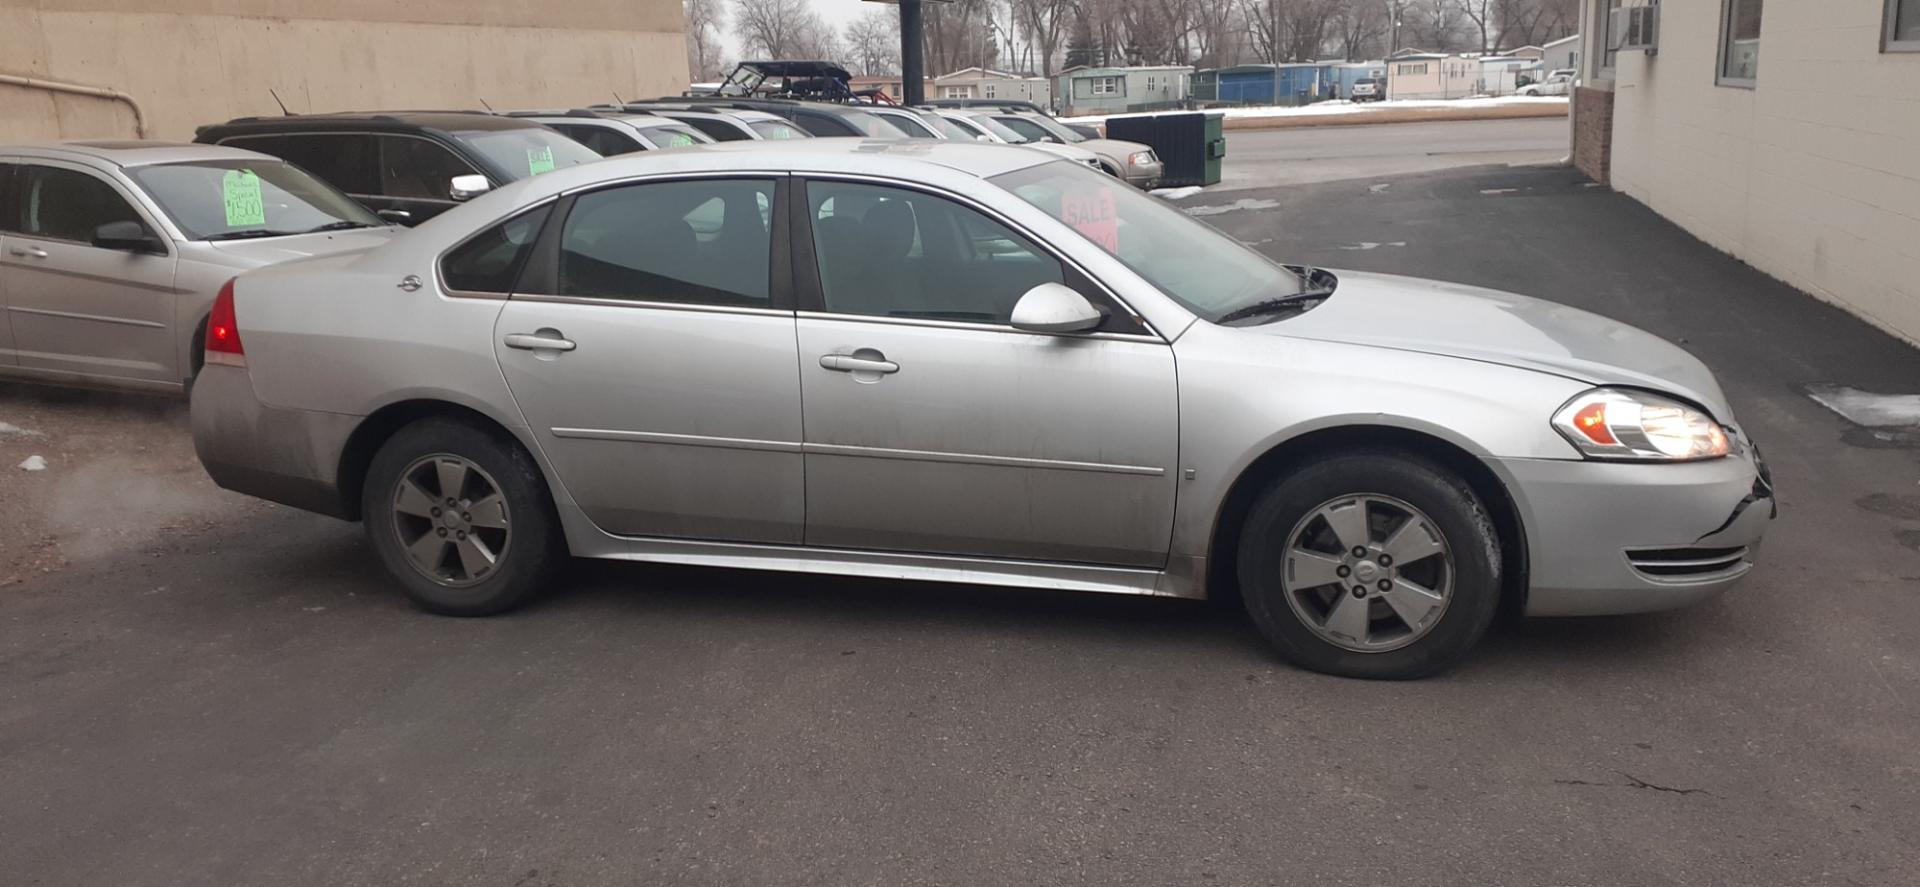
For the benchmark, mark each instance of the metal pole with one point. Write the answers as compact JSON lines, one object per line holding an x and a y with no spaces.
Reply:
{"x":912,"y":73}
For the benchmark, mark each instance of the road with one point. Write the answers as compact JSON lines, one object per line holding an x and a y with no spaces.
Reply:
{"x":1265,"y":158}
{"x":197,"y":689}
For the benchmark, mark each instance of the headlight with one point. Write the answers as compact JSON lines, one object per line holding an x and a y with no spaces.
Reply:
{"x":1612,"y":423}
{"x":1140,"y":157}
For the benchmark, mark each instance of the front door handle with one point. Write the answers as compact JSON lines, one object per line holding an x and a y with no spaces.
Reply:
{"x":537,"y":342}
{"x":847,"y":363}
{"x":25,"y":251}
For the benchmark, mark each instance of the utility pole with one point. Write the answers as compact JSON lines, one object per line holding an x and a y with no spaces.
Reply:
{"x":912,"y":69}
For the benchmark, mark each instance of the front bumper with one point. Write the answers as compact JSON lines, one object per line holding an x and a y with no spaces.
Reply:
{"x":1608,"y":538}
{"x":287,"y":456}
{"x":1145,"y":175}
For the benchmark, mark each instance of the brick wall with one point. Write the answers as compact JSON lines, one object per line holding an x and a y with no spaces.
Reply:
{"x":1593,"y":132}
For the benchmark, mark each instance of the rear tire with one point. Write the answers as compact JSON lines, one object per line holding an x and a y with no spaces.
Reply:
{"x":1394,"y":605}
{"x":461,"y":518}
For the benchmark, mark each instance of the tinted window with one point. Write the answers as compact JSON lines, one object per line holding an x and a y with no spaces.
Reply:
{"x":226,"y":199}
{"x":523,"y":153}
{"x":491,"y":261}
{"x":898,"y":253}
{"x":778,"y":129}
{"x":65,"y":205}
{"x":908,"y":125}
{"x":1027,"y":129}
{"x":824,"y":126}
{"x":703,"y":241}
{"x":602,"y":140}
{"x":418,"y":169}
{"x":718,"y":130}
{"x":674,"y":136}
{"x":345,"y":161}
{"x":8,"y":212}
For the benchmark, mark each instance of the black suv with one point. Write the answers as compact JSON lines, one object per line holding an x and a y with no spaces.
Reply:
{"x":408,"y":166}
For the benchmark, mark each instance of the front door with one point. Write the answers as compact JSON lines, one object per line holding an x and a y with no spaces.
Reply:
{"x":655,"y":364}
{"x":74,"y":307}
{"x":932,"y":425}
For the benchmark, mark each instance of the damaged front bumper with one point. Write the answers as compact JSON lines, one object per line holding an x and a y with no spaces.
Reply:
{"x":1609,"y":538}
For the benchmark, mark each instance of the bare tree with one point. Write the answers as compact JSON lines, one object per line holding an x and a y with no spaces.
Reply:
{"x":705,"y":21}
{"x":1481,"y":13}
{"x":873,"y":42}
{"x":1045,"y":24}
{"x":1290,"y":30}
{"x":778,"y":28}
{"x":1359,"y":26}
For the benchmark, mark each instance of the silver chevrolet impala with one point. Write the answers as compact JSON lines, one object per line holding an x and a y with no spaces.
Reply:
{"x":972,"y":363}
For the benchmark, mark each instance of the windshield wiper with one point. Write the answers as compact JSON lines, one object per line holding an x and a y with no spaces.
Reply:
{"x":1299,"y":301}
{"x":248,"y":234}
{"x":342,"y":225}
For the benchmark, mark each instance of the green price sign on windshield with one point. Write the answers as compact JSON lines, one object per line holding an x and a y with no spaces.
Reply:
{"x":245,"y":209}
{"x":539,"y":160}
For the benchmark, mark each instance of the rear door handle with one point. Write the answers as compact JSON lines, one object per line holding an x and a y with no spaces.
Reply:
{"x":847,"y":363}
{"x":24,"y":251}
{"x":536,"y":342}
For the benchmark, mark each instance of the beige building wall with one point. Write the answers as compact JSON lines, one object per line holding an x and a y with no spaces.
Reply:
{"x":1812,"y":175}
{"x":192,"y":62}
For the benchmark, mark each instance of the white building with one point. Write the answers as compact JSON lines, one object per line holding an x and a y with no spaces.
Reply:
{"x":1432,"y":76}
{"x":986,"y":83}
{"x":1786,"y":134}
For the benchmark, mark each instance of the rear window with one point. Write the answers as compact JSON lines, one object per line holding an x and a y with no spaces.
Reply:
{"x":778,"y":129}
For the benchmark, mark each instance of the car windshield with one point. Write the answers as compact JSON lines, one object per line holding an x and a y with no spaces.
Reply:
{"x":528,"y":152}
{"x":230,"y":199}
{"x":949,"y":128}
{"x":778,"y":129}
{"x":1054,"y":128}
{"x":1005,"y":132}
{"x":1195,"y":265}
{"x":672,"y":135}
{"x":872,"y":125}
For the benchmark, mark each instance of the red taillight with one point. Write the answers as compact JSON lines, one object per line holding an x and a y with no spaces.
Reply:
{"x":223,"y":332}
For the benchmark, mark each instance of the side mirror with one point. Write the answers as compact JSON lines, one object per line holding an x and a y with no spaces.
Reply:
{"x":468,"y":187}
{"x":128,"y":236}
{"x":1055,"y":308}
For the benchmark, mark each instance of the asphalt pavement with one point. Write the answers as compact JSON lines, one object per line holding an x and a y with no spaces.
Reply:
{"x":244,"y":700}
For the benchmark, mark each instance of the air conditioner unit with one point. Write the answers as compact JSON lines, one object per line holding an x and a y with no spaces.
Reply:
{"x":1639,"y":27}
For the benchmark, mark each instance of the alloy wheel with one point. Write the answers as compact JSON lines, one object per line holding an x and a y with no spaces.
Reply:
{"x":451,"y":519}
{"x":1368,"y":573}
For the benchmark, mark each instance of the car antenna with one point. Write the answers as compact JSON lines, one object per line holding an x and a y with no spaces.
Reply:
{"x":617,"y":99}
{"x":490,"y":110}
{"x":277,"y":101}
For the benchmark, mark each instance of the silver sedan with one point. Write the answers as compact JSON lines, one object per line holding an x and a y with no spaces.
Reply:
{"x":111,"y":252}
{"x":963,"y":362}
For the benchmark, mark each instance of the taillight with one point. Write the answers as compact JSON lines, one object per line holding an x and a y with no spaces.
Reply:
{"x":223,"y":332}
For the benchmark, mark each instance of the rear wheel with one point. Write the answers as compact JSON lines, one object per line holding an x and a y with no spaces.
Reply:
{"x":1375,"y":564}
{"x":461,"y":519}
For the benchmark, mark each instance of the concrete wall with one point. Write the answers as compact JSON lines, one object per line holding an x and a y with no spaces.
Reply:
{"x":191,"y":62}
{"x":1812,"y":176}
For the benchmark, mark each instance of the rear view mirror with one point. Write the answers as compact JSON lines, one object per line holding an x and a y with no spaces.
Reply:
{"x":128,"y":236}
{"x":1055,"y":308}
{"x":468,"y":187}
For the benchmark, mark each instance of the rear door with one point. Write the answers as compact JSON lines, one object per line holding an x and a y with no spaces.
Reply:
{"x":8,"y":211}
{"x":74,"y":307}
{"x":651,"y":351}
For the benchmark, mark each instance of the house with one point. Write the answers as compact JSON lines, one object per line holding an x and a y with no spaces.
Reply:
{"x":986,"y":83}
{"x":1784,"y":134}
{"x":1288,"y":84}
{"x":1432,"y":76}
{"x":1560,"y":54}
{"x":1087,"y":90}
{"x":1532,"y":53}
{"x":1502,"y":74}
{"x":892,"y":84}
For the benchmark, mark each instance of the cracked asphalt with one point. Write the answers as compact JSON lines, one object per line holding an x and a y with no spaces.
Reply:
{"x":242,"y":699}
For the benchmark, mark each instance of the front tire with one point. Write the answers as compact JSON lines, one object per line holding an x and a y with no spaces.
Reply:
{"x":460,"y":517}
{"x":1374,"y":564}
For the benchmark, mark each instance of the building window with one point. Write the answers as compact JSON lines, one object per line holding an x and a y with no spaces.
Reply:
{"x":1613,"y":30}
{"x":957,"y":92}
{"x":1105,"y":85}
{"x":1740,"y":42}
{"x":1411,"y":70}
{"x":988,"y":89}
{"x":1903,"y":26}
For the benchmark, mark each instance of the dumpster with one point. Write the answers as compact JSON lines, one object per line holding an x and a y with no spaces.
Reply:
{"x":1190,"y":144}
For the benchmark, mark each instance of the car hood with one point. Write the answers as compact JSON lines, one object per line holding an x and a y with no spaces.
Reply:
{"x":272,"y":250}
{"x":1432,"y":317}
{"x":1120,"y":148}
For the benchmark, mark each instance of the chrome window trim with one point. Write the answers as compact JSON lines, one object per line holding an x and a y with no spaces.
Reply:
{"x":997,"y":216}
{"x":938,"y":323}
{"x":609,"y":302}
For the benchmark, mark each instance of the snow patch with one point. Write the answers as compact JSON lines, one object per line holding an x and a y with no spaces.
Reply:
{"x":10,"y":428}
{"x":1499,"y":190}
{"x":33,"y":463}
{"x":1177,"y":193}
{"x":1380,"y":188}
{"x":1367,"y":244}
{"x":1342,"y":106}
{"x":1866,"y":407}
{"x":1236,"y":206}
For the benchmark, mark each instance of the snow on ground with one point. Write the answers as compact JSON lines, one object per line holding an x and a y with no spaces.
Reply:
{"x":1177,"y":193}
{"x":34,"y":463}
{"x":1342,"y":106}
{"x":10,"y":428}
{"x":1866,"y":407}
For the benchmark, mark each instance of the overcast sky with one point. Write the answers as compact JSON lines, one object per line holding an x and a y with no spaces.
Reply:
{"x":836,"y":13}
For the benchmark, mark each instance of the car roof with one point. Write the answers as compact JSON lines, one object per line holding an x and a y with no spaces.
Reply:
{"x":447,"y":121}
{"x":129,"y":153}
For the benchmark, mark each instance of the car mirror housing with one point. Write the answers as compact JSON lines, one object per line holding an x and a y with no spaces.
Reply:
{"x":468,"y":187}
{"x":126,"y":235}
{"x":1055,"y":308}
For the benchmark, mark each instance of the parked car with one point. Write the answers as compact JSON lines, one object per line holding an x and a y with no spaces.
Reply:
{"x":724,"y":123}
{"x":1011,"y":371}
{"x":1012,"y":105}
{"x":1369,"y":89}
{"x":826,"y":119}
{"x":610,"y":133}
{"x":111,"y":252}
{"x":408,"y":166}
{"x":1557,"y":83}
{"x":982,"y":126}
{"x":1132,"y":161}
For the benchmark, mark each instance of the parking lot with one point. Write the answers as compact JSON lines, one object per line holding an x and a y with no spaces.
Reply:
{"x":197,"y":688}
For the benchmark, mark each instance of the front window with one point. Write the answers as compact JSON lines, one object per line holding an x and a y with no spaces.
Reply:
{"x":1055,"y":129}
{"x":232,"y":199}
{"x":1740,"y":43}
{"x":65,"y":204}
{"x":778,"y":129}
{"x":948,"y":128}
{"x":525,"y":153}
{"x":872,"y":126}
{"x":910,"y":126}
{"x":1205,"y":271}
{"x":1006,"y":133}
